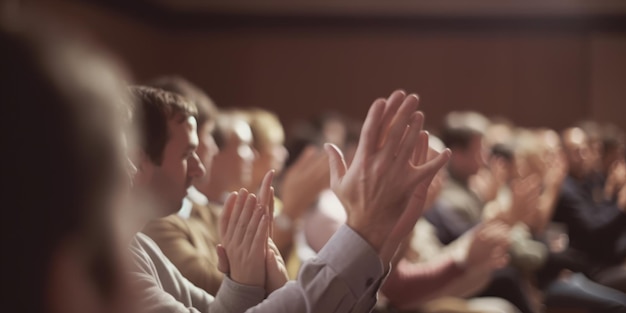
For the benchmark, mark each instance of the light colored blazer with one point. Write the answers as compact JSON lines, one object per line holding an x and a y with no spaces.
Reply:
{"x":189,"y":241}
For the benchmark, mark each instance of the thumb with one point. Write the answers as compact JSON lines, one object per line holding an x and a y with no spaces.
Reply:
{"x":337,"y":164}
{"x":222,"y":260}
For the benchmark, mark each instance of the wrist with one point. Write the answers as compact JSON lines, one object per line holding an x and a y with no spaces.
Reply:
{"x":375,"y":235}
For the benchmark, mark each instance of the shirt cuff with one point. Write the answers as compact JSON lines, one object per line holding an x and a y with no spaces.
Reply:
{"x":236,"y":297}
{"x":355,"y":261}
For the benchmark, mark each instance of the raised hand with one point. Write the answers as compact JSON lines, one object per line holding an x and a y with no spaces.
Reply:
{"x":616,"y":179}
{"x":556,"y":170}
{"x":525,"y":200}
{"x":489,"y":246}
{"x":275,"y":268}
{"x":244,"y":229}
{"x":385,"y":188}
{"x":304,"y":181}
{"x":488,"y":181}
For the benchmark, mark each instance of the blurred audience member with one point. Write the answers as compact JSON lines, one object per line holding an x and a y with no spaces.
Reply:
{"x":596,"y":226}
{"x":65,"y":176}
{"x":232,"y":167}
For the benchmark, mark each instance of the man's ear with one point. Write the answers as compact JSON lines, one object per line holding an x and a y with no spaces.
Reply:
{"x":145,"y":168}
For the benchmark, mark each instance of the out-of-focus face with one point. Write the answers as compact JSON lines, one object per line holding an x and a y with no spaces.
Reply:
{"x":170,"y":180}
{"x":207,"y":149}
{"x":232,"y":166}
{"x":268,"y":158}
{"x":469,"y":161}
{"x":577,"y":152}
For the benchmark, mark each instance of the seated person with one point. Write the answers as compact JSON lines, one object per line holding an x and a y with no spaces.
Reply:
{"x":590,"y":218}
{"x":189,"y":237}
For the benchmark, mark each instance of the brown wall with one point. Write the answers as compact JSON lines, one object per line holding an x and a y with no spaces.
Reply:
{"x":536,"y":76}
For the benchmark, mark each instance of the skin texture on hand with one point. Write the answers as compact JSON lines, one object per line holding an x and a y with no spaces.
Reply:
{"x":245,"y":268}
{"x":243,"y":228}
{"x":277,"y":275}
{"x":385,"y":188}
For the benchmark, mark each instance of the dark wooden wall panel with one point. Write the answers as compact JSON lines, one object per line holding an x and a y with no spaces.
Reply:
{"x":534,"y":76}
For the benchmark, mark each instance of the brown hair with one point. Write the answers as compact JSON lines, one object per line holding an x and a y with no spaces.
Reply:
{"x":207,"y":111}
{"x":154,"y":107}
{"x":266,"y":128}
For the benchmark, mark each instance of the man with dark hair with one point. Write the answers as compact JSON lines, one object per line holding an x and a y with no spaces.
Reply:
{"x":189,"y":237}
{"x":166,"y":167}
{"x":167,"y":161}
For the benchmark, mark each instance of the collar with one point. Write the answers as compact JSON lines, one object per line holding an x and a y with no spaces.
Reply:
{"x":185,"y":210}
{"x":196,"y":196}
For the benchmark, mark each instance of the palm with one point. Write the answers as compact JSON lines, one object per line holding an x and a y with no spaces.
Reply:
{"x":385,"y":187}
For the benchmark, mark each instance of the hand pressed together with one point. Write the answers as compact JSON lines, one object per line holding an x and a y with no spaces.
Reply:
{"x":247,"y":253}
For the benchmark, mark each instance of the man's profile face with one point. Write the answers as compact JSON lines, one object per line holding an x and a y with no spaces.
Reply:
{"x":472,"y":158}
{"x":180,"y":165}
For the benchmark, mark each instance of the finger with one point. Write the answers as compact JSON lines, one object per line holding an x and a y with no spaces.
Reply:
{"x":420,"y":149}
{"x":336,"y":163}
{"x":260,"y":237}
{"x":253,"y":226}
{"x":264,"y":192}
{"x":244,"y":220}
{"x":271,"y":212}
{"x":392,"y":104}
{"x":371,"y":131}
{"x":430,"y":168}
{"x":406,"y":221}
{"x":222,"y":260}
{"x":408,"y":146}
{"x":398,"y":126}
{"x":234,"y":218}
{"x":227,"y":212}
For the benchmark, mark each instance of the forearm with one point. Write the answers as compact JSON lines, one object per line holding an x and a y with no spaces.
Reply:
{"x":410,"y":282}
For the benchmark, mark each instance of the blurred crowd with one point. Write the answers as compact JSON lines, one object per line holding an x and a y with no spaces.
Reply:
{"x":149,"y":197}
